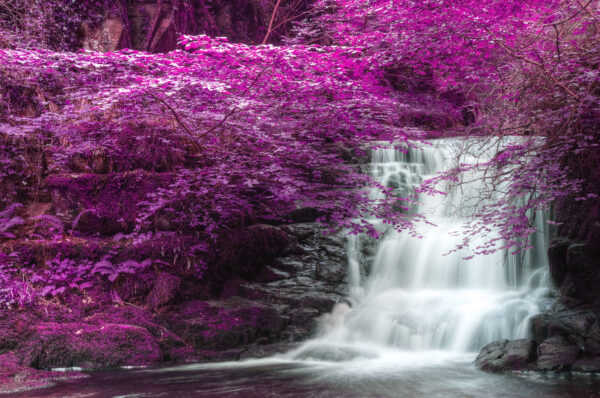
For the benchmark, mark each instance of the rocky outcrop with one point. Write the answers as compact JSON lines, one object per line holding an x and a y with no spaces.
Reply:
{"x":567,"y":337}
{"x":561,"y":341}
{"x":574,"y":267}
{"x":504,"y":354}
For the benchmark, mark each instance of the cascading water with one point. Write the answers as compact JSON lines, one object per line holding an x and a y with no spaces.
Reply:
{"x":417,"y":297}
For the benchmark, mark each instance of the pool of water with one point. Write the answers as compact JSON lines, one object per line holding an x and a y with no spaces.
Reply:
{"x":430,"y":374}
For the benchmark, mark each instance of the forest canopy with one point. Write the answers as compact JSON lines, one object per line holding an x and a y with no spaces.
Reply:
{"x":216,"y":135}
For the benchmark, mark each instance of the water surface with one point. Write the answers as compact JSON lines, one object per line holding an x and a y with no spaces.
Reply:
{"x":407,"y":375}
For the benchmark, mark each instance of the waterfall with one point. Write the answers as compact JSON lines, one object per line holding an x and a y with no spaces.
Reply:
{"x":416,"y":297}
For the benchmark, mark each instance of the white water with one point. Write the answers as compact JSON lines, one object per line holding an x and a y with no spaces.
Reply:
{"x":416,"y":298}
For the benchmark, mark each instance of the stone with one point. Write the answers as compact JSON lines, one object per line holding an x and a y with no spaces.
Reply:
{"x":556,"y":353}
{"x":164,"y":291}
{"x":303,"y":232}
{"x":573,"y":323}
{"x":331,"y":271}
{"x":587,"y":365}
{"x":506,"y":355}
{"x":15,"y":377}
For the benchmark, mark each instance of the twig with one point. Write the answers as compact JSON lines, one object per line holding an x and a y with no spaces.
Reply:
{"x":235,"y":109}
{"x":270,"y":29}
{"x":172,"y":110}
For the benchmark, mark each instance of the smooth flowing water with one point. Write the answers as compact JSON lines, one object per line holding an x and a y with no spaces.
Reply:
{"x":416,"y":296}
{"x":414,"y":320}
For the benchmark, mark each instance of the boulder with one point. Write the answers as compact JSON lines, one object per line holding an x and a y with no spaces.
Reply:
{"x":506,"y":355}
{"x":556,"y":353}
{"x":573,"y":323}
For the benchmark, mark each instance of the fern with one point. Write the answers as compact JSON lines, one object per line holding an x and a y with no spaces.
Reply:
{"x":6,"y":225}
{"x":54,"y":222}
{"x":76,"y":221}
{"x":10,"y":210}
{"x":8,"y":221}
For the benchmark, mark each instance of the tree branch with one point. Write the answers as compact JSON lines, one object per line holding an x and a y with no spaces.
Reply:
{"x":270,"y":29}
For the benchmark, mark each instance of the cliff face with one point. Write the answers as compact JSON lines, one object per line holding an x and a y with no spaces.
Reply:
{"x":154,"y":25}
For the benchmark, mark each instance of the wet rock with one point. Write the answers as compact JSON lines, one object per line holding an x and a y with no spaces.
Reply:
{"x":303,"y":232}
{"x":183,"y":354}
{"x":15,"y":377}
{"x":587,"y":365}
{"x":506,"y":355}
{"x":574,"y":323}
{"x":331,"y":271}
{"x":556,"y":353}
{"x":166,"y":288}
{"x":91,"y":346}
{"x":171,"y":345}
{"x":305,"y":316}
{"x":333,"y":260}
